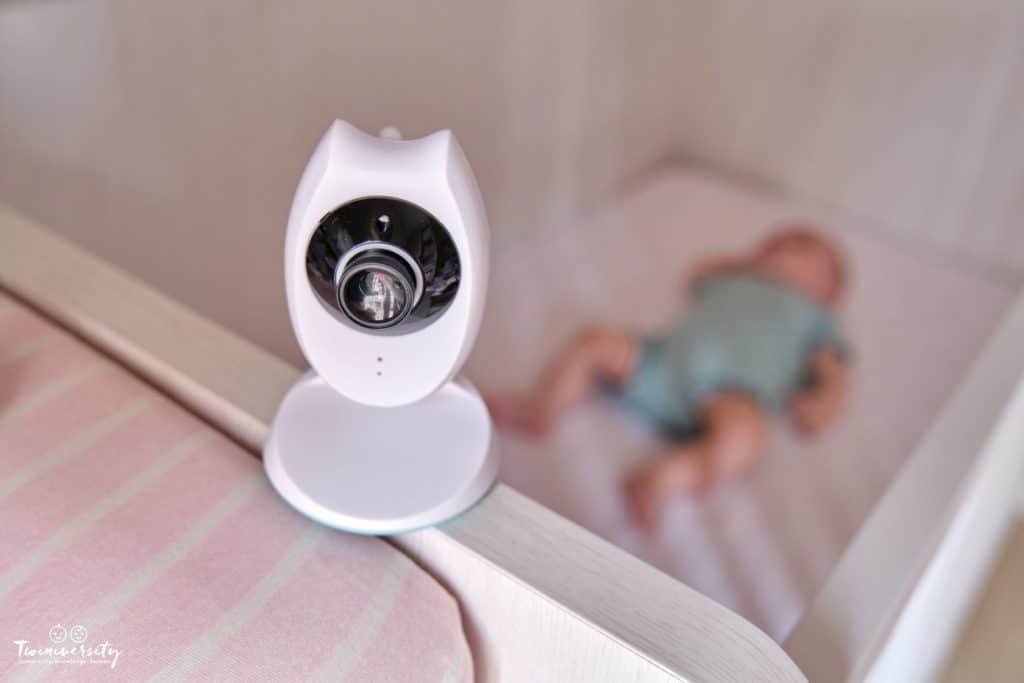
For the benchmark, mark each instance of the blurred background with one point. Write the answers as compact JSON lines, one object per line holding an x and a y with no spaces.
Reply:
{"x":168,"y":137}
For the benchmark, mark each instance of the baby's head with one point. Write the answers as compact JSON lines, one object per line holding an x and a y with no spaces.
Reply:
{"x":804,"y":259}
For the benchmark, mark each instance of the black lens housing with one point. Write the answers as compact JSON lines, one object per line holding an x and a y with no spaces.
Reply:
{"x":416,"y":242}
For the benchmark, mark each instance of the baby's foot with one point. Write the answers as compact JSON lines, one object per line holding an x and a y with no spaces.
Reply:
{"x":644,"y":497}
{"x":517,"y":412}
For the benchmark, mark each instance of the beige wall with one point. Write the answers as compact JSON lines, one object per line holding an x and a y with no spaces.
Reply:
{"x":909,"y":112}
{"x":168,"y":137}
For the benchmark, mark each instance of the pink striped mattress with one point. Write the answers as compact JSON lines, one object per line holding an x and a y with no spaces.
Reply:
{"x":762,"y":546}
{"x":138,"y":543}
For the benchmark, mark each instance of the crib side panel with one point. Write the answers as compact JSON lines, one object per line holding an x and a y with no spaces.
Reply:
{"x":896,"y":602}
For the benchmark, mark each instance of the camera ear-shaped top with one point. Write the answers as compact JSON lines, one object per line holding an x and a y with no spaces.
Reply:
{"x":368,"y":213}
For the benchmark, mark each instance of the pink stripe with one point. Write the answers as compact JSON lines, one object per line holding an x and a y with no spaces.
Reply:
{"x":20,"y":327}
{"x":26,"y":374}
{"x":296,"y":629}
{"x":47,"y":503}
{"x":195,"y":593}
{"x":426,"y":624}
{"x":79,"y":576}
{"x":339,"y":579}
{"x":42,"y":429}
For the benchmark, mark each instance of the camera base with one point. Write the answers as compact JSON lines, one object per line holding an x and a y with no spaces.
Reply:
{"x":381,"y":471}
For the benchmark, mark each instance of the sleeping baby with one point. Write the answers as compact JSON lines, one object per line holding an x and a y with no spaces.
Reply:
{"x":760,"y":338}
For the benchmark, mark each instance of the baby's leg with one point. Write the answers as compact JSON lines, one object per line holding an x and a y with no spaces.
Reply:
{"x":735,"y":436}
{"x":596,"y":354}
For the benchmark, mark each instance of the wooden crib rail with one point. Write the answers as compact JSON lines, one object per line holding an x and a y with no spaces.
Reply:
{"x":542,"y":598}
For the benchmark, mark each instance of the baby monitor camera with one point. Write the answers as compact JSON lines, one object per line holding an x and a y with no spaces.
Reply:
{"x":386,"y":261}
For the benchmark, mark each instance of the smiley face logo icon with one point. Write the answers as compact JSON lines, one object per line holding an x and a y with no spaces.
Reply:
{"x":78,"y":633}
{"x":58,"y":633}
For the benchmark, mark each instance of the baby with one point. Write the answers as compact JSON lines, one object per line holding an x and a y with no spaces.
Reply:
{"x":759,"y":338}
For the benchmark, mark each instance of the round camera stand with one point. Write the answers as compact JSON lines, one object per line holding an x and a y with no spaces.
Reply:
{"x":381,"y":471}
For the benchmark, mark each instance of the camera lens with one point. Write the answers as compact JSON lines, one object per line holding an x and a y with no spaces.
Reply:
{"x":376,"y":289}
{"x":398,"y":246}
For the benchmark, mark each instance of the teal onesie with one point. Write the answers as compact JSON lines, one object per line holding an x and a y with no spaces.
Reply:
{"x":743,"y":332}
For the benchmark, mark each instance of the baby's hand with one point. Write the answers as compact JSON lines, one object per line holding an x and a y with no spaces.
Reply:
{"x":811,"y":410}
{"x":807,"y":414}
{"x":518,"y":413}
{"x":643,"y":499}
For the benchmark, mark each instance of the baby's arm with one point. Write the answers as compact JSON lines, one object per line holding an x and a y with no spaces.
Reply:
{"x":816,"y":406}
{"x":596,"y":354}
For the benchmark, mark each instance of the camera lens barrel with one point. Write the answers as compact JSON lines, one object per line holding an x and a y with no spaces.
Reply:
{"x":382,"y":262}
{"x":377,"y":288}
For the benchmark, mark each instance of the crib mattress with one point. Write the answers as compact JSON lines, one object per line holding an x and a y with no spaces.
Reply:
{"x":764,"y":545}
{"x":153,"y":544}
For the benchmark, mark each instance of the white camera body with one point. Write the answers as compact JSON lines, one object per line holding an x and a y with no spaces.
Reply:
{"x":386,"y":264}
{"x":433,"y":174}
